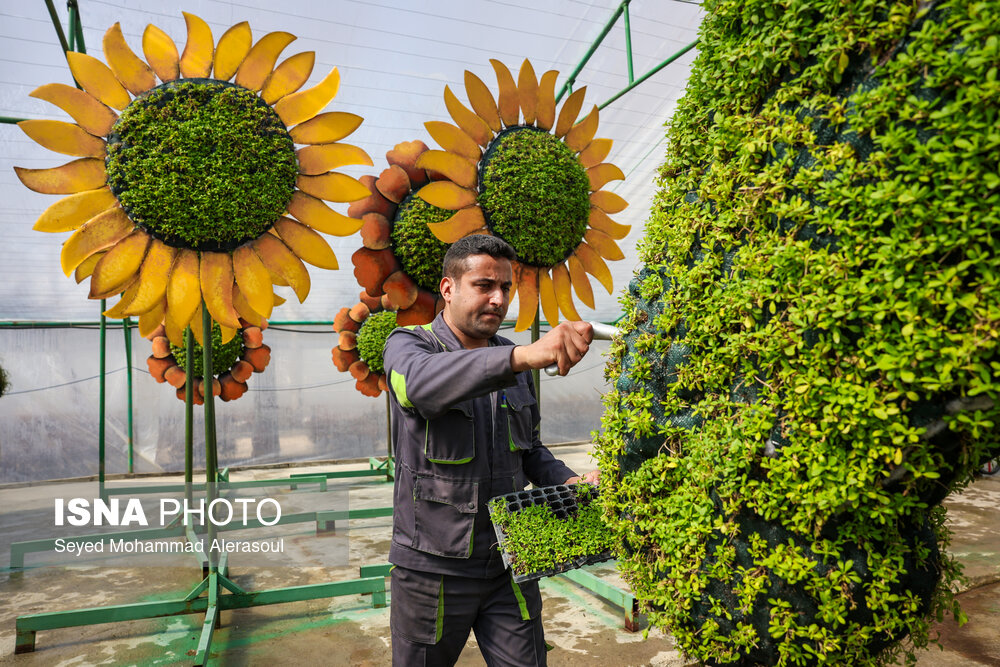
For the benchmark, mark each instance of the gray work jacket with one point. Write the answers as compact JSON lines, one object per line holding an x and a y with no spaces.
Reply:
{"x":464,"y":429}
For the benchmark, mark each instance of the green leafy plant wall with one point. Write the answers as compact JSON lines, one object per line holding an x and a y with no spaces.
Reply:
{"x":810,"y":355}
{"x":371,"y":339}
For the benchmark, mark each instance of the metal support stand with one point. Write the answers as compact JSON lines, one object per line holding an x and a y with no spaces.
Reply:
{"x":612,"y":594}
{"x":216,"y":592}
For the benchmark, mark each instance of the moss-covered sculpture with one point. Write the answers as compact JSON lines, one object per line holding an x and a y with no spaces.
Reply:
{"x":361,"y":333}
{"x":810,"y":353}
{"x":4,"y":381}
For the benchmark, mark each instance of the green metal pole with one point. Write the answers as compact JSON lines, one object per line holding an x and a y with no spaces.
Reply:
{"x":58,"y":26}
{"x":593,"y":47}
{"x":628,"y":43}
{"x":127,"y":328}
{"x":72,"y":26}
{"x":11,"y":121}
{"x":101,"y":400}
{"x":650,"y":73}
{"x":76,"y":25}
{"x":211,"y":460}
{"x":189,"y":412}
{"x":534,"y":372}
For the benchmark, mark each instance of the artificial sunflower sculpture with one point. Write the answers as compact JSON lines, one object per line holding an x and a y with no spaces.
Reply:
{"x":401,"y":257}
{"x":188,"y":187}
{"x":516,"y":169}
{"x":234,"y":361}
{"x":362,"y":331}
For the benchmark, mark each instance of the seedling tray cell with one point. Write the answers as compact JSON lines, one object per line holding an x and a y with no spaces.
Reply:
{"x":563,"y":502}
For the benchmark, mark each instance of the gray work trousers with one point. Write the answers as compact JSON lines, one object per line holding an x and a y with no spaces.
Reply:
{"x":431,"y":616}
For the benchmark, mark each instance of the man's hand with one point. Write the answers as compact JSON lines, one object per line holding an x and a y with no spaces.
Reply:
{"x":564,"y":346}
{"x":593,"y":477}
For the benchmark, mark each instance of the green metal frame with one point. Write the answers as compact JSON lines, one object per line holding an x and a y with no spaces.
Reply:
{"x":613,"y":594}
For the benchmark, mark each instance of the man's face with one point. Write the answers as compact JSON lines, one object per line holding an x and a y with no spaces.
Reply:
{"x":476,"y":302}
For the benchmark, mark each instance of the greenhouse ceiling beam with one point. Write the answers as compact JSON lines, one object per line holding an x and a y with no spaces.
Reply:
{"x":623,"y":13}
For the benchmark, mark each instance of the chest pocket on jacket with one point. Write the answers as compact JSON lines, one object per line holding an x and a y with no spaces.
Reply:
{"x":520,"y":425}
{"x":451,"y":439}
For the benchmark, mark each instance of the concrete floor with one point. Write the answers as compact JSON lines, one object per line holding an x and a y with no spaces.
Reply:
{"x":584,"y":629}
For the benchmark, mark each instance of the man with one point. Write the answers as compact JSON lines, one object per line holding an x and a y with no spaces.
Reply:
{"x":465,"y":428}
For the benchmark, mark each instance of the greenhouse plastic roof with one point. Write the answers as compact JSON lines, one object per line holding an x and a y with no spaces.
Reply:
{"x":395,"y":59}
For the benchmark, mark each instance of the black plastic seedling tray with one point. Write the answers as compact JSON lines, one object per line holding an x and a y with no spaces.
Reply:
{"x":562,"y":502}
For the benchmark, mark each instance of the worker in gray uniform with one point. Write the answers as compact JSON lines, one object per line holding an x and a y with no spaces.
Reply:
{"x":465,"y":429}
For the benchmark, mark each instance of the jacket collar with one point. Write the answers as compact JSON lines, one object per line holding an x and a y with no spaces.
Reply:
{"x":444,"y":334}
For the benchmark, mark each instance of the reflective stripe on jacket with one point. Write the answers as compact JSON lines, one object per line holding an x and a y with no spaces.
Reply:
{"x":464,"y":429}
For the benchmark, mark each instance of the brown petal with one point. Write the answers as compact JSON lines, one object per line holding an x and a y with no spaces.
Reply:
{"x":404,"y":155}
{"x":373,"y":302}
{"x":342,"y":322}
{"x":175,"y":376}
{"x":376,"y":231}
{"x":369,"y":385}
{"x":253,"y":337}
{"x":372,"y":267}
{"x":259,"y":357}
{"x":400,"y":289}
{"x":343,"y":359}
{"x":421,"y":311}
{"x":157,"y":367}
{"x":359,"y":370}
{"x":360,"y":312}
{"x":241,"y":371}
{"x":347,"y":340}
{"x":374,"y":203}
{"x":394,"y":184}
{"x":161,"y":347}
{"x":231,"y":387}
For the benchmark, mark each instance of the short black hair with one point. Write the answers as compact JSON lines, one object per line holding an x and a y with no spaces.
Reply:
{"x":474,"y":244}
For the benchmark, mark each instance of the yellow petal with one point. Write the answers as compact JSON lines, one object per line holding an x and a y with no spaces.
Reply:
{"x":594,"y":265}
{"x":546,"y":110}
{"x":75,"y":176}
{"x":581,"y":283}
{"x":183,"y":288}
{"x":278,"y":300}
{"x":445,"y":194}
{"x":595,"y":153}
{"x":280,"y":260}
{"x":326,"y":128}
{"x":217,"y":288}
{"x":507,"y":102}
{"x":161,"y":53}
{"x":118,"y":268}
{"x":608,"y":202}
{"x":197,"y":326}
{"x":307,"y":244}
{"x":600,"y":220}
{"x":260,"y":61}
{"x":570,"y":110}
{"x":564,"y":297}
{"x":86,"y":268}
{"x":581,"y":134}
{"x":175,"y":332}
{"x":603,"y":244}
{"x":196,"y":61}
{"x":243,"y":307}
{"x":151,"y":319}
{"x":127,"y":67}
{"x":153,"y":277}
{"x":231,"y":51}
{"x":463,"y":223}
{"x":254,"y":280}
{"x":70,"y":212}
{"x":547,"y":296}
{"x":456,"y":168}
{"x":333,"y":186}
{"x":527,"y":295}
{"x":117,"y":311}
{"x":99,"y":233}
{"x":471,"y":124}
{"x":228,"y":333}
{"x":288,"y":77}
{"x":61,"y":137}
{"x":97,"y":79}
{"x":84,"y":108}
{"x":306,"y":208}
{"x":602,"y":174}
{"x":303,"y":105}
{"x":324,"y":157}
{"x":482,"y":101}
{"x":527,"y":92}
{"x":453,"y":139}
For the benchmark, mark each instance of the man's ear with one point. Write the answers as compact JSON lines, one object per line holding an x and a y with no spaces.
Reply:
{"x":446,"y":288}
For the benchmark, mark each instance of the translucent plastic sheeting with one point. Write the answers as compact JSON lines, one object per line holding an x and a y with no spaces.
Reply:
{"x":299,"y":409}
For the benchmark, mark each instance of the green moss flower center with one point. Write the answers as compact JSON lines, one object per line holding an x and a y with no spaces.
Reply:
{"x":201,"y":164}
{"x":371,"y":339}
{"x":224,"y":355}
{"x":535,"y":195}
{"x":420,"y":253}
